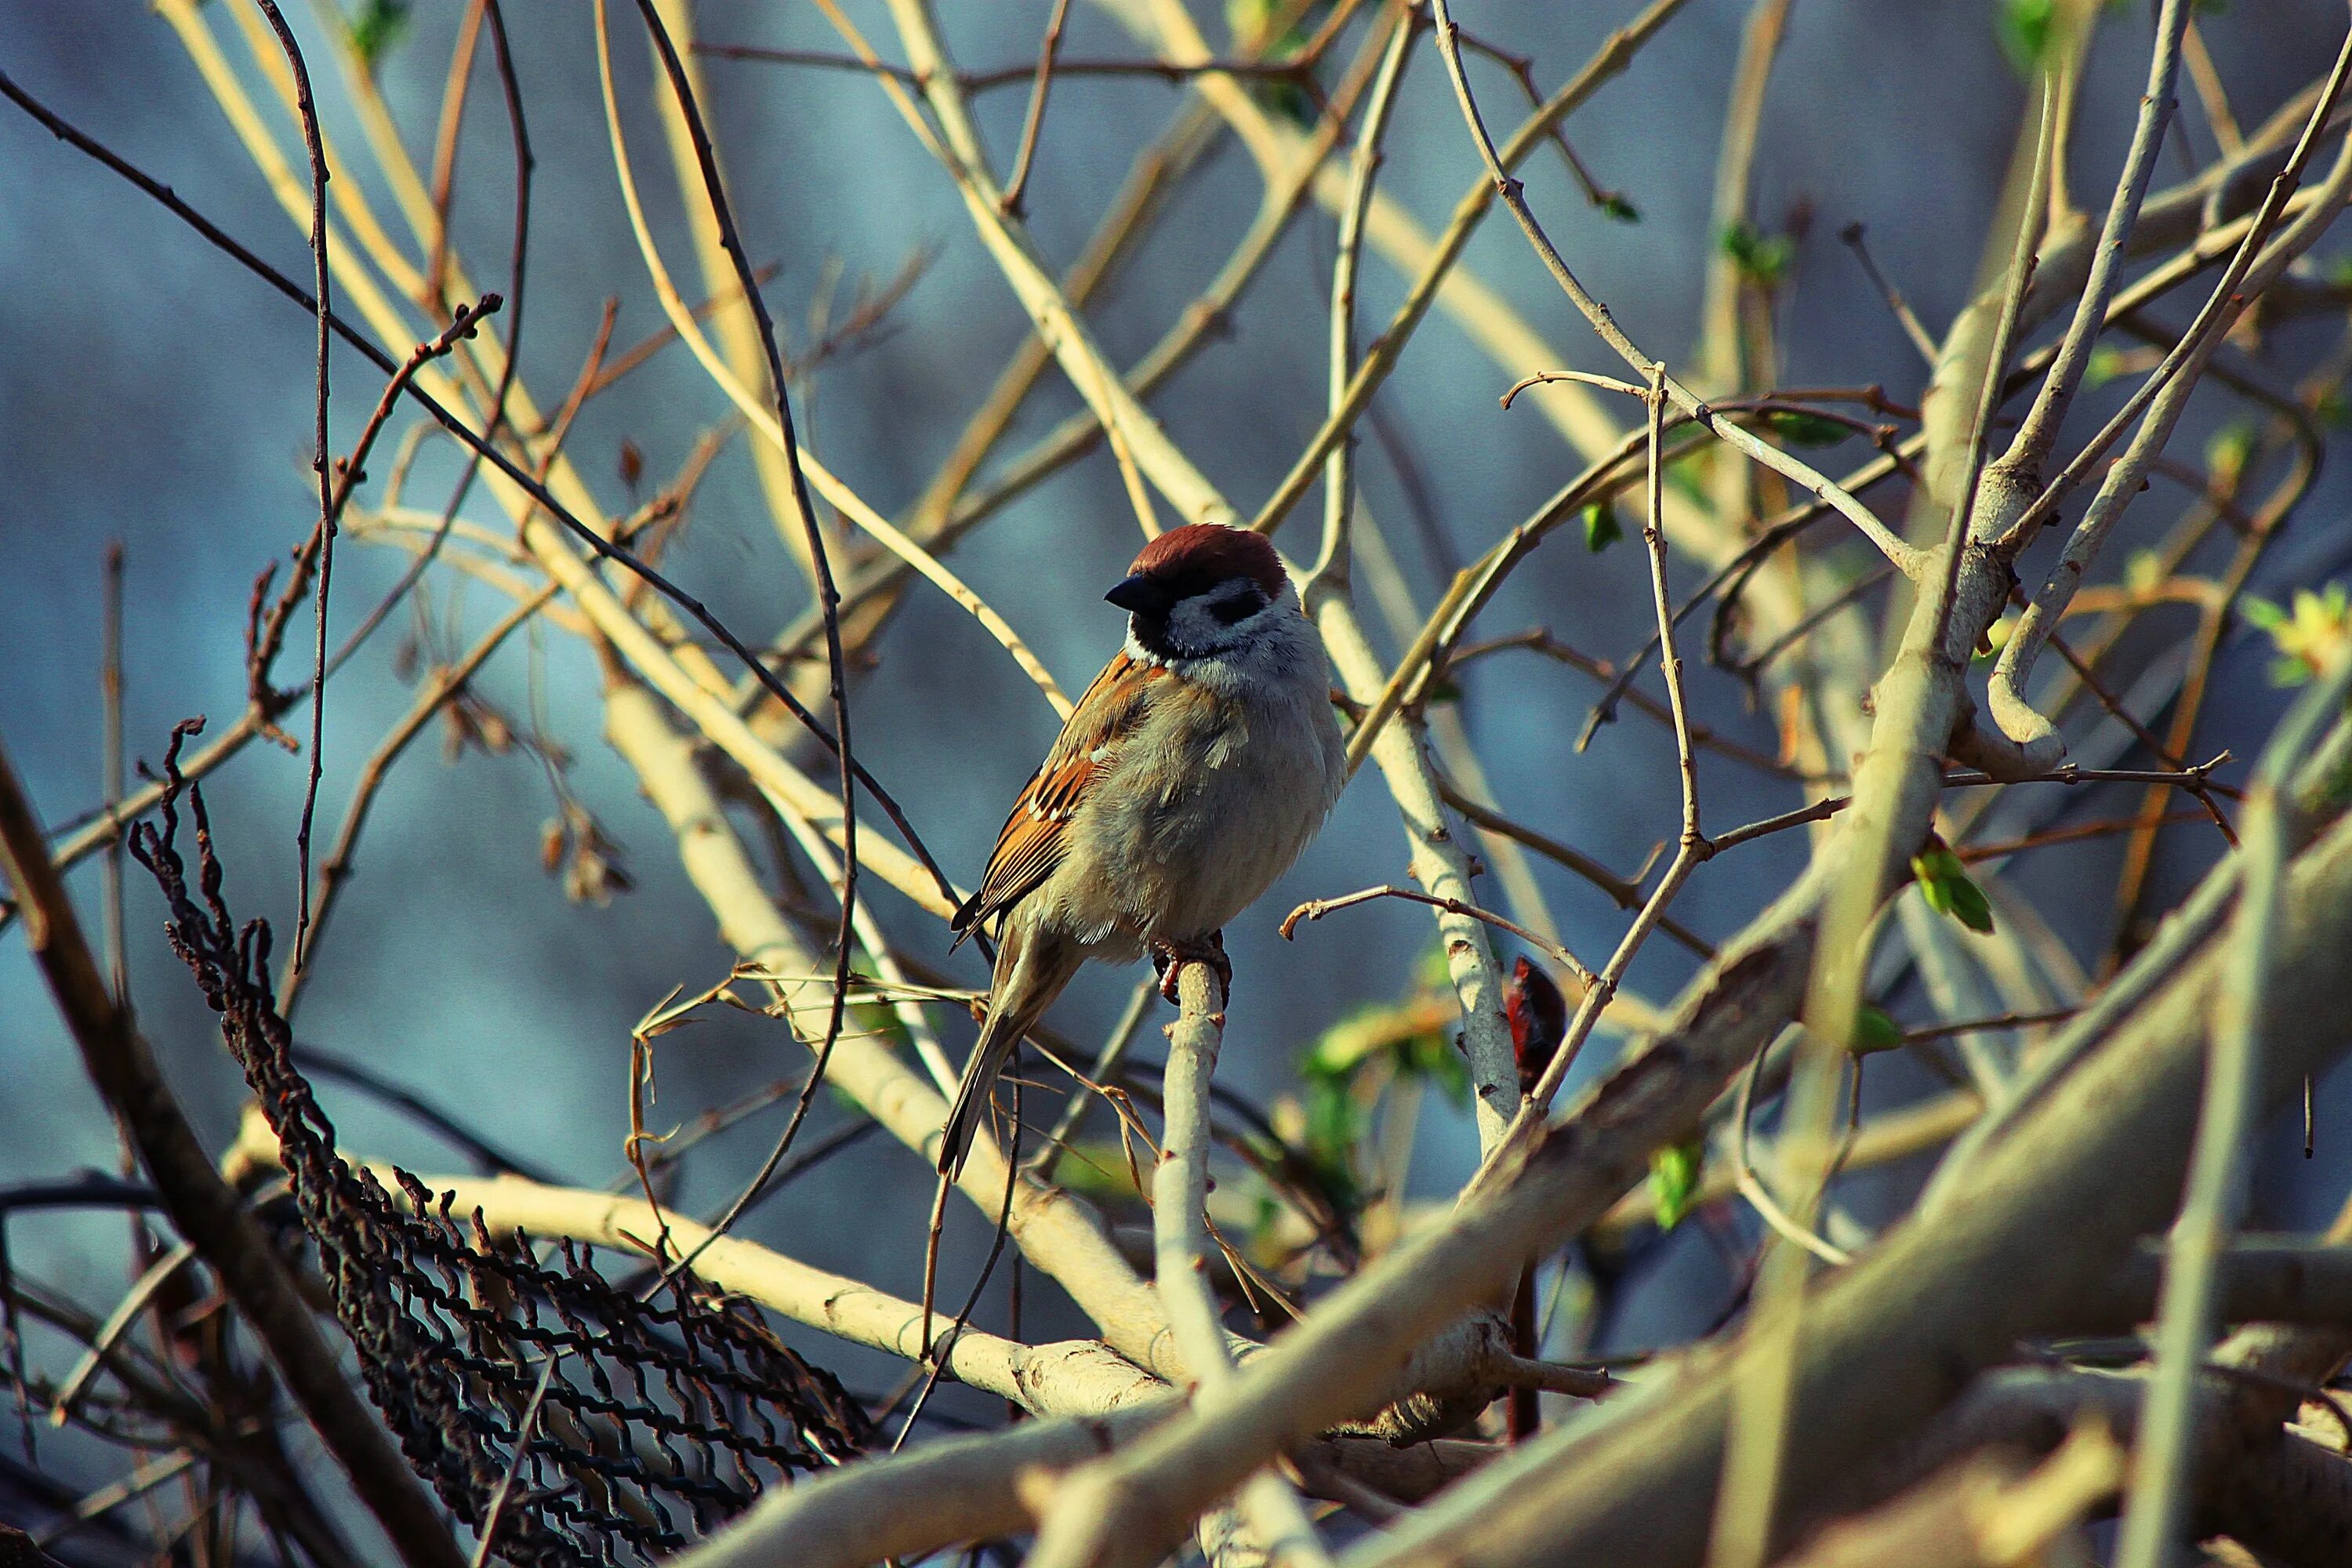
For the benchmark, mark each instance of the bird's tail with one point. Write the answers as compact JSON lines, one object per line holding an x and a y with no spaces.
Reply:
{"x":1029,"y":972}
{"x":971,"y":1094}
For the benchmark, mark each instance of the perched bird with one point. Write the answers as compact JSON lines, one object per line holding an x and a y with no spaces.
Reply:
{"x":1188,"y":777}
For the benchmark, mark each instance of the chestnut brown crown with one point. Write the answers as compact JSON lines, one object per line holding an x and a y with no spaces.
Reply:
{"x":1188,"y":560}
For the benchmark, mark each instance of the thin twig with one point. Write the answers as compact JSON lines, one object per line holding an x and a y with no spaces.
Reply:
{"x":496,"y":1514}
{"x":306,"y":111}
{"x":1693,"y":847}
{"x":1315,"y":908}
{"x":1624,"y":894}
{"x":1905,"y":316}
{"x":1670,"y":661}
{"x":529,"y":484}
{"x":335,"y":870}
{"x":110,"y":684}
{"x":1034,"y":120}
{"x":1292,"y":68}
{"x":1333,"y":563}
{"x":1616,"y":52}
{"x":2156,"y":1502}
{"x":2163,"y":396}
{"x":1508,"y":188}
{"x":202,"y":1206}
{"x":1752,"y":1186}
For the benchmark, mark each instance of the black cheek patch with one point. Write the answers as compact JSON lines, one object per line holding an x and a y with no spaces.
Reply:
{"x":1234,"y":611}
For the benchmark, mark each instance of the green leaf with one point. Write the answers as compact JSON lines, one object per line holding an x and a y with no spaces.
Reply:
{"x":1339,"y":1050}
{"x":2312,"y":637}
{"x":2330,"y":408}
{"x":1334,"y":1122}
{"x":1249,"y":21}
{"x":2228,"y":451}
{"x":2106,"y":364}
{"x":874,"y":1019}
{"x":1997,"y":636}
{"x":1945,"y":883}
{"x":1433,"y":1057}
{"x":2262,"y":613}
{"x":1674,"y":1172}
{"x":2024,"y":27}
{"x":1874,"y":1031}
{"x":1601,"y":529}
{"x":376,"y":26}
{"x":1288,"y":100}
{"x":1685,"y":474}
{"x":1801,"y":430}
{"x":1763,"y":259}
{"x":1097,"y":1170}
{"x":2337,"y":789}
{"x":1613,"y":205}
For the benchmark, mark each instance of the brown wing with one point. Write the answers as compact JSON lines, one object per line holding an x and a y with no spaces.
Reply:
{"x":1030,"y":843}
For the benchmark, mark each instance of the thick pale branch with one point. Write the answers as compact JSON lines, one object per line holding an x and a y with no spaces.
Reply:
{"x":1052,"y":1230}
{"x":1383,"y":1329}
{"x":967,"y":1489}
{"x":1181,"y":1253}
{"x":1074,"y":1377}
{"x":1891,"y":1340}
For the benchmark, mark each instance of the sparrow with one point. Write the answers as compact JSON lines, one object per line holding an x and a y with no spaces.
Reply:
{"x":1188,"y":777}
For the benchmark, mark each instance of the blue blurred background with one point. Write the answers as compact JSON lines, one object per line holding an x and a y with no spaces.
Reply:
{"x":151,"y":392}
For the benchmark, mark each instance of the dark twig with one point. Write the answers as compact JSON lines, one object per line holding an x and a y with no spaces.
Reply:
{"x":828,"y":595}
{"x":1294,"y":68}
{"x":335,"y":870}
{"x":1693,"y":847}
{"x":2192,"y":779}
{"x":496,"y":1512}
{"x":203,"y":1207}
{"x":529,"y":483}
{"x":454,"y":94}
{"x":316,"y":1063}
{"x":338,"y":495}
{"x":1540,"y":640}
{"x":525,"y":163}
{"x":307,"y":112}
{"x":110,"y":681}
{"x":1035,"y":121}
{"x":1624,"y":893}
{"x":1315,"y":908}
{"x":1913,"y":328}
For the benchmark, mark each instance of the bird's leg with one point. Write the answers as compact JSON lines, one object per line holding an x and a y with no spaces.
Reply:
{"x":1209,"y":949}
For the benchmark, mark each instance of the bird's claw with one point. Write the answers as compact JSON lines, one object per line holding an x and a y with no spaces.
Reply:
{"x":1169,"y":957}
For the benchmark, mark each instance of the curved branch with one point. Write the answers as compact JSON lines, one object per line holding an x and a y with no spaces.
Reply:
{"x":2165,"y":396}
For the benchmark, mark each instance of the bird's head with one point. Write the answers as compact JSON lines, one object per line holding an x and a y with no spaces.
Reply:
{"x":1203,"y":591}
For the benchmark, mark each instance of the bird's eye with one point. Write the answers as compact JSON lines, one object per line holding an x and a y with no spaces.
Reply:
{"x":1238,"y":609}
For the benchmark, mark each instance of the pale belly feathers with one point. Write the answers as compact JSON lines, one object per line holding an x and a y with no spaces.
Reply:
{"x":1174,"y":850}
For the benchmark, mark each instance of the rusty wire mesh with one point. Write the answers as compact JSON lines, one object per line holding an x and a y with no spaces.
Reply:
{"x":661,"y":1418}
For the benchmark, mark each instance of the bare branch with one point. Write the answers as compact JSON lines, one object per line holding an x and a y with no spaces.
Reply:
{"x":202,"y":1206}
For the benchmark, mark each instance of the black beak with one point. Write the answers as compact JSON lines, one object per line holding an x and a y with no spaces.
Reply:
{"x":1142,"y":594}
